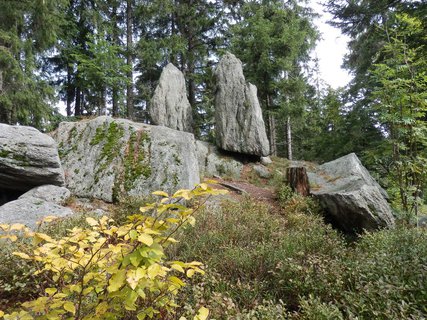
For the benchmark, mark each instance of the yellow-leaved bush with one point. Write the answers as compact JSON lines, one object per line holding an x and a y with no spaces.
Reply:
{"x":109,"y":271}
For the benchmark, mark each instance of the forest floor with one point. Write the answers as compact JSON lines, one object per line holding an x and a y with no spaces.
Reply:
{"x":249,"y":185}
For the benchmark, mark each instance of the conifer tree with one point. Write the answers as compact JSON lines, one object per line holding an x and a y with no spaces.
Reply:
{"x":27,"y":30}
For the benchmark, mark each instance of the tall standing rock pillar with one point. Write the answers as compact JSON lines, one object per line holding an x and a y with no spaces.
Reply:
{"x":238,"y":117}
{"x":169,"y":106}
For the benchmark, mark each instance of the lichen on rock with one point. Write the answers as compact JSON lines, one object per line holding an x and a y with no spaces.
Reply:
{"x":239,"y":125}
{"x":116,"y":158}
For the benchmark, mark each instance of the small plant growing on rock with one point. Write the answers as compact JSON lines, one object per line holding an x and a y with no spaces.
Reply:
{"x":111,"y":271}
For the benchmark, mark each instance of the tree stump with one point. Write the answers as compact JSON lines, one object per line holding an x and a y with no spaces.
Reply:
{"x":298,"y":180}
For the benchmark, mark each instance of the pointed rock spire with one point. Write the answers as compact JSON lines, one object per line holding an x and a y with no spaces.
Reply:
{"x":169,"y":106}
{"x":238,"y":117}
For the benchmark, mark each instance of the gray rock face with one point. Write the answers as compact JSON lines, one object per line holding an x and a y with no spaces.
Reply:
{"x":49,"y":193}
{"x":28,"y":158}
{"x":262,"y":171}
{"x":212,"y":163}
{"x":351,"y":197}
{"x":239,"y":124}
{"x":30,"y":210}
{"x":169,"y":106}
{"x":107,"y":158}
{"x":266,"y":161}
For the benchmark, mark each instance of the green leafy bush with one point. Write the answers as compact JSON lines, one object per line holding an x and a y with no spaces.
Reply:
{"x":256,"y":259}
{"x":258,"y":255}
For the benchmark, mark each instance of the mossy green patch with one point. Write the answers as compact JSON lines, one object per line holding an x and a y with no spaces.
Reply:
{"x":4,"y":153}
{"x":18,"y":157}
{"x":72,"y":134}
{"x":177,"y":159}
{"x":109,"y":136}
{"x":22,"y":159}
{"x":137,"y":162}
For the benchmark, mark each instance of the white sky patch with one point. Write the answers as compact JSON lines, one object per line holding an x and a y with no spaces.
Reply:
{"x":330,"y":50}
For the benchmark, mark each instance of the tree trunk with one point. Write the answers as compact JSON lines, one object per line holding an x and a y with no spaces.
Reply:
{"x":298,"y":180}
{"x":71,"y":91}
{"x":116,"y":42}
{"x":129,"y":59}
{"x":289,"y":137}
{"x":77,"y":104}
{"x":272,"y":136}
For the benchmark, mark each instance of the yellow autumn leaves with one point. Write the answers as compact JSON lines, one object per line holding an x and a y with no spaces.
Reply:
{"x":106,"y":271}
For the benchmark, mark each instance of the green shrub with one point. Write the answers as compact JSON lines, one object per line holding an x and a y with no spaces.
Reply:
{"x":264,"y":256}
{"x":387,"y":276}
{"x":16,"y":276}
{"x":295,"y":203}
{"x":259,"y":259}
{"x":314,"y":309}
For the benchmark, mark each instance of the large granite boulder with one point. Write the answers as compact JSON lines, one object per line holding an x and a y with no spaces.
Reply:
{"x":106,"y":158}
{"x":28,"y":158}
{"x":50,"y":193}
{"x":213,"y":163}
{"x":239,"y":125}
{"x":30,"y":210}
{"x":169,"y":106}
{"x":353,"y":200}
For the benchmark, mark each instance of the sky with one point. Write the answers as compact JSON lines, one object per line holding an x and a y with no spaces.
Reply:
{"x":330,"y":50}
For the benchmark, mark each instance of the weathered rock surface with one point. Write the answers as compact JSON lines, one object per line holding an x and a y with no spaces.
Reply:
{"x":352,"y":198}
{"x":239,"y":124}
{"x":169,"y":106}
{"x":266,"y":161}
{"x":28,"y":158}
{"x":107,"y":158}
{"x":30,"y":210}
{"x":262,"y":171}
{"x":49,"y":193}
{"x":213,"y":163}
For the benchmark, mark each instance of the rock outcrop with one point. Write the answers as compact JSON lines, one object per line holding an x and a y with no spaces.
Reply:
{"x":353,"y":200}
{"x":169,"y":106}
{"x":239,"y":125}
{"x":30,"y":210}
{"x":28,"y":158}
{"x":50,"y":193}
{"x":213,"y":163}
{"x":36,"y":204}
{"x":107,"y":158}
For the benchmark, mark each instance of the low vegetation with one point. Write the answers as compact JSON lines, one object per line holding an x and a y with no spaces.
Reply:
{"x":105,"y":270}
{"x":294,"y":266}
{"x":259,"y":263}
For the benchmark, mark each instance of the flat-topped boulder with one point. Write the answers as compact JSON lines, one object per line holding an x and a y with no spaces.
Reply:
{"x":169,"y":106}
{"x":28,"y":158}
{"x":30,"y":210}
{"x":239,"y":125}
{"x":106,"y":158}
{"x":351,"y":197}
{"x":50,"y":193}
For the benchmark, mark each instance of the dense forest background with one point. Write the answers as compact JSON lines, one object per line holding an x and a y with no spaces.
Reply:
{"x":106,"y":56}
